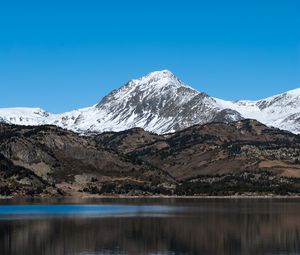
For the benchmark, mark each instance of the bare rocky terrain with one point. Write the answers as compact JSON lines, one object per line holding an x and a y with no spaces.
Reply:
{"x":243,"y":157}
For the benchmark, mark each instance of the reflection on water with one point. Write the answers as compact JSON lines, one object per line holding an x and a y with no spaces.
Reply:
{"x":167,"y":227}
{"x":18,"y":212}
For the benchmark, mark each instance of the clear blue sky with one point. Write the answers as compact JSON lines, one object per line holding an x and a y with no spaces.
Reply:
{"x":61,"y":55}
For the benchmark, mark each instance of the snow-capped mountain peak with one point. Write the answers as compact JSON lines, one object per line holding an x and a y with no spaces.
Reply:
{"x":153,"y":102}
{"x":158,"y":80}
{"x":161,"y":103}
{"x":294,"y":92}
{"x":157,"y":75}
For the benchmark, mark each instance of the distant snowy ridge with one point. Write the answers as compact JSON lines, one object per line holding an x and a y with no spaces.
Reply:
{"x":161,"y":103}
{"x":281,"y":111}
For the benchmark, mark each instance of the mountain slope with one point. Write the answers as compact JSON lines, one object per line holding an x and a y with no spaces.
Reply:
{"x":24,"y":116}
{"x":243,"y":156}
{"x":159,"y":102}
{"x":282,"y":111}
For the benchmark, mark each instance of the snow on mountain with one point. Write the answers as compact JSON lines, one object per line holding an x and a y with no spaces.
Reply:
{"x":281,"y":111}
{"x":158,"y":102}
{"x":24,"y":116}
{"x":161,"y":103}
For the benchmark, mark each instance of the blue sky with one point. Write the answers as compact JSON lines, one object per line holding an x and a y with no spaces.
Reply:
{"x":61,"y":55}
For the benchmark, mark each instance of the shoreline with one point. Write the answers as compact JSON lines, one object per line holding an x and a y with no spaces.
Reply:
{"x":153,"y":197}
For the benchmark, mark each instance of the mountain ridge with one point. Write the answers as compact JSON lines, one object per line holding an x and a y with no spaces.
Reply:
{"x":160,"y":102}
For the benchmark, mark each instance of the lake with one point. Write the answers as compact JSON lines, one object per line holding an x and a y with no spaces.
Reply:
{"x":150,"y":226}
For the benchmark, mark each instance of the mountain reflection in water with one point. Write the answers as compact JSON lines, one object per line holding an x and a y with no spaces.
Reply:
{"x":161,"y":226}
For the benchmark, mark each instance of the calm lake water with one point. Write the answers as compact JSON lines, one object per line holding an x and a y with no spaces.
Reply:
{"x":150,"y":226}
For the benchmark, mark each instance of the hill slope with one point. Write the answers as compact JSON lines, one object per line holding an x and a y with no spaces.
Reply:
{"x":243,"y":156}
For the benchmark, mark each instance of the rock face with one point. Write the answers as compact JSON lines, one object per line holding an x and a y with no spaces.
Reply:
{"x":159,"y":102}
{"x":242,"y":156}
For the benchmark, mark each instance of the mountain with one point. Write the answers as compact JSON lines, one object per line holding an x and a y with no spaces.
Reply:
{"x":159,"y":102}
{"x":215,"y":158}
{"x":281,"y":111}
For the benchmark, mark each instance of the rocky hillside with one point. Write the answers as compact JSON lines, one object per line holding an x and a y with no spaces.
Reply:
{"x":160,"y":102}
{"x":216,"y":158}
